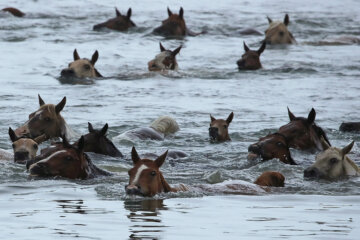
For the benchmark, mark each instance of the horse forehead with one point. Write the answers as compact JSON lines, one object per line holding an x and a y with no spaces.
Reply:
{"x":51,"y":156}
{"x":80,"y":62}
{"x":218,"y":122}
{"x":329,"y":153}
{"x":163,"y":55}
{"x":24,"y":142}
{"x":277,"y":25}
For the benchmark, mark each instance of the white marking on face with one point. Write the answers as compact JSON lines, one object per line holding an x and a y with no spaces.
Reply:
{"x":47,"y":159}
{"x":138,"y":173}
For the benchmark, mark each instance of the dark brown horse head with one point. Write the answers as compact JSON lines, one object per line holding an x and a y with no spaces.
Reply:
{"x":218,"y":130}
{"x":82,"y":67}
{"x":272,"y":146}
{"x":24,"y":148}
{"x":97,"y":142}
{"x":165,"y":60}
{"x":46,"y":120}
{"x":69,"y":162}
{"x":250,"y":60}
{"x":302,"y":133}
{"x":278,"y":33}
{"x":145,"y":177}
{"x":174,"y":25}
{"x":119,"y":23}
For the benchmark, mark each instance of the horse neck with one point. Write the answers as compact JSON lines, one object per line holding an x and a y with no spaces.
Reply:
{"x":350,"y":167}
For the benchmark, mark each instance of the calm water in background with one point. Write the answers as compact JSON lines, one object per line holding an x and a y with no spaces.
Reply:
{"x":313,"y":73}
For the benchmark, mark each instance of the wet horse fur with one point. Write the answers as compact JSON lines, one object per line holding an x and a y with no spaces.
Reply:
{"x":82,"y":67}
{"x":119,"y":23}
{"x":250,"y":60}
{"x":165,"y":60}
{"x":218,"y":130}
{"x":278,"y":33}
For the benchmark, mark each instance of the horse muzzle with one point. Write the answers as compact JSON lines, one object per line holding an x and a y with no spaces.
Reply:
{"x":213,"y":133}
{"x":312,"y":172}
{"x":39,"y":169}
{"x":133,"y":190}
{"x":21,"y":157}
{"x":67,"y":72}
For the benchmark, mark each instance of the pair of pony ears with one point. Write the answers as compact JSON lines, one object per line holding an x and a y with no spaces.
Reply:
{"x":128,"y":14}
{"x":181,"y":12}
{"x":58,"y":108}
{"x":310,"y":119}
{"x":228,"y":120}
{"x":286,"y":20}
{"x":174,"y":53}
{"x":259,"y":51}
{"x":345,"y":150}
{"x":100,"y":132}
{"x":93,"y":60}
{"x":159,"y":161}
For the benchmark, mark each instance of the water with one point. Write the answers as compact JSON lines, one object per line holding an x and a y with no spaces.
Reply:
{"x":317,"y":72}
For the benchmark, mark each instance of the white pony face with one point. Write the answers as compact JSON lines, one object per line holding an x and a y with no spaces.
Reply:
{"x":332,"y":164}
{"x":165,"y":60}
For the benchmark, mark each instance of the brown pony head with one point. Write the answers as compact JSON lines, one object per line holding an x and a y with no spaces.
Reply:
{"x":250,"y":60}
{"x":82,"y":67}
{"x":270,"y":179}
{"x":69,"y":162}
{"x":145,"y":177}
{"x":302,"y":133}
{"x":278,"y":33}
{"x":272,"y":146}
{"x":97,"y":142}
{"x":218,"y":129}
{"x":165,"y":60}
{"x":24,"y":148}
{"x":119,"y":23}
{"x":174,"y":25}
{"x":46,"y":120}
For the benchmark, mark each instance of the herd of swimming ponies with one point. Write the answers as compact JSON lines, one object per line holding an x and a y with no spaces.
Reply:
{"x":62,"y":159}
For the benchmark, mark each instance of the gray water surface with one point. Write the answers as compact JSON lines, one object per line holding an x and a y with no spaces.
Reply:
{"x":317,"y":72}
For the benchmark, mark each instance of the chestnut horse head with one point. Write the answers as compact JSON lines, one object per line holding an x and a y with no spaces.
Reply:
{"x":47,"y":120}
{"x":82,"y":67}
{"x":174,"y":25}
{"x":24,"y":148}
{"x":302,"y":133}
{"x":271,"y":179}
{"x":218,"y":129}
{"x":165,"y":60}
{"x":119,"y":23}
{"x":250,"y":60}
{"x":333,"y":163}
{"x":272,"y":146}
{"x":145,"y":177}
{"x":278,"y":33}
{"x":97,"y":142}
{"x":69,"y":162}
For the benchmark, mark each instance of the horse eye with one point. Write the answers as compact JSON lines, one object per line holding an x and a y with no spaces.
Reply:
{"x":47,"y":119}
{"x":225,"y":126}
{"x":35,"y":146}
{"x":153,"y":173}
{"x":280,"y":144}
{"x":68,"y":158}
{"x":13,"y":146}
{"x":333,"y":160}
{"x":87,"y":67}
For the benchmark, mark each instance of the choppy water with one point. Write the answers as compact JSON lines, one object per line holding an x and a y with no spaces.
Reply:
{"x":317,"y":72}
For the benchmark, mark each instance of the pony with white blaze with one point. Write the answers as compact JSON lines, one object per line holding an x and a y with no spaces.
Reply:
{"x":333,"y":163}
{"x":158,"y":130}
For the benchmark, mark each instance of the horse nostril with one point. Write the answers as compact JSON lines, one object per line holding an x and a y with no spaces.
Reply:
{"x":21,"y":156}
{"x":311,"y":173}
{"x":67,"y":72}
{"x":254,"y":148}
{"x":281,"y":33}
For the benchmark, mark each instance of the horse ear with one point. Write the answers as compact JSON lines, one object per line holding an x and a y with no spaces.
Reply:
{"x":60,"y":105}
{"x":291,"y":115}
{"x":324,"y":143}
{"x":65,"y":142}
{"x":94,"y":57}
{"x":118,"y":14}
{"x":135,"y":156}
{"x":262,"y":48}
{"x":104,"y":129}
{"x":76,"y":55}
{"x":286,"y":20}
{"x":90,"y":127}
{"x":230,"y":118}
{"x":176,"y":51}
{"x":162,"y":49}
{"x":41,"y":101}
{"x":212,"y":118}
{"x":41,"y":138}
{"x":81,"y":144}
{"x":12,"y":135}
{"x":181,"y":13}
{"x":169,"y":12}
{"x":347,"y":149}
{"x":129,"y":13}
{"x":269,"y":19}
{"x":311,"y":117}
{"x":246,"y":48}
{"x":161,"y":159}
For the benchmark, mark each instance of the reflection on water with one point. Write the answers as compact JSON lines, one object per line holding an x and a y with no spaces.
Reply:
{"x":145,"y":218}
